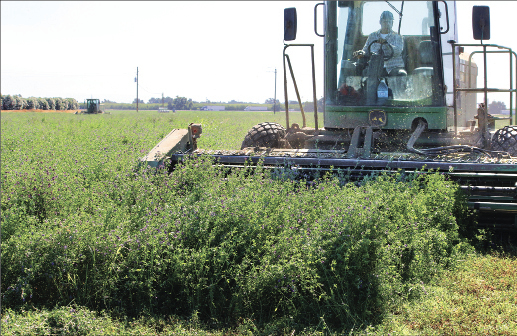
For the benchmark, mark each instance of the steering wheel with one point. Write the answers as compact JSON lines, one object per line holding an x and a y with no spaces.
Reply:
{"x":386,"y":57}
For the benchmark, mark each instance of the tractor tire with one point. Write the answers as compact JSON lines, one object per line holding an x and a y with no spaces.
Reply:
{"x":505,"y":140}
{"x":266,"y":134}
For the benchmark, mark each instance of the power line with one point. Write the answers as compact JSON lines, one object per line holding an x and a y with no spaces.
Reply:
{"x":144,"y":88}
{"x":63,"y":74}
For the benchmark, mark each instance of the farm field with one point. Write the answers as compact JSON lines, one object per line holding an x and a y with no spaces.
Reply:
{"x":91,"y":245}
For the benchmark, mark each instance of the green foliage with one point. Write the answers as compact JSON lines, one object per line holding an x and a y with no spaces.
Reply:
{"x":80,"y":224}
{"x":16,"y":102}
{"x":60,"y":104}
{"x":43,"y":104}
{"x":141,"y":106}
{"x":495,"y":107}
{"x":475,"y":298}
{"x":182,"y":103}
{"x":19,"y":103}
{"x":7,"y":102}
{"x":32,"y":103}
{"x":51,"y":103}
{"x":72,"y":104}
{"x":166,"y":100}
{"x":74,"y":320}
{"x":309,"y":106}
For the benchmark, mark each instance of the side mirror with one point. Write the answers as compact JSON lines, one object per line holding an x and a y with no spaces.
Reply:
{"x":289,"y":24}
{"x":481,"y":22}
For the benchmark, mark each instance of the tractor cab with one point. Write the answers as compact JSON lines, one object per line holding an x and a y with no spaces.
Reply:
{"x":93,"y":106}
{"x":385,"y":57}
{"x":394,"y":77}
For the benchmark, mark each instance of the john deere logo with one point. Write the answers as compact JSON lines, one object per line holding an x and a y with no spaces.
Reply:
{"x":377,"y":118}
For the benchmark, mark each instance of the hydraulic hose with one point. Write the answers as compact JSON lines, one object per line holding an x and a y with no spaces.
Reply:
{"x":422,"y":125}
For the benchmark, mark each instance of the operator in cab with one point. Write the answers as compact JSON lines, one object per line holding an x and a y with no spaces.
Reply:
{"x":385,"y":38}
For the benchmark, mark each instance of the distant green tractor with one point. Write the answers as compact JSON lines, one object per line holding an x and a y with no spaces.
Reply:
{"x":93,"y":106}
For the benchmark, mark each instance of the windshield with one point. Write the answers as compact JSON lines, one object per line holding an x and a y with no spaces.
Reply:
{"x":386,"y":54}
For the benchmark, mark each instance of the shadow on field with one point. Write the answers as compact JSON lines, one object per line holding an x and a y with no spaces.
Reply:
{"x":502,"y":242}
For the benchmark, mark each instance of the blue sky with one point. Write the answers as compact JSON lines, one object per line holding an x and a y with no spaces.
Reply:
{"x":211,"y":50}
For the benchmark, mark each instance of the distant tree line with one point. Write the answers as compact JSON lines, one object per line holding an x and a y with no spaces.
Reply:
{"x":125,"y":106}
{"x":496,"y":107}
{"x":166,"y":100}
{"x":178,"y":103}
{"x":17,"y":102}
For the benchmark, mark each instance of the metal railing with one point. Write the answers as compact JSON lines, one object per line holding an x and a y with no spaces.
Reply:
{"x":296,"y":87}
{"x":485,"y":90}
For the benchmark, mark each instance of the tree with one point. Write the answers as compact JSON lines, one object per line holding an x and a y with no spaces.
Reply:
{"x":7,"y":102}
{"x":106,"y":101}
{"x":32,"y":103}
{"x":308,"y":106}
{"x":51,"y":103}
{"x":275,"y":105}
{"x":60,"y":105}
{"x":43,"y":104}
{"x":140,"y":101}
{"x":496,"y":107}
{"x":182,"y":103}
{"x":19,"y":103}
{"x":159,"y":100}
{"x":73,"y":104}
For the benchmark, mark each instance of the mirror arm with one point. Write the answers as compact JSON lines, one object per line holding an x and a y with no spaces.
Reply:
{"x":316,"y":19}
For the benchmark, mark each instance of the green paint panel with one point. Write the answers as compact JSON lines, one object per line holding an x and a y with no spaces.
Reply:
{"x":396,"y":117}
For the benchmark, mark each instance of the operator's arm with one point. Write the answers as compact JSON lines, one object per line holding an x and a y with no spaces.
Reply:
{"x":372,"y":37}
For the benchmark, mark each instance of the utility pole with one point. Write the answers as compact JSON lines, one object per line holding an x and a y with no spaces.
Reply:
{"x":162,"y":99}
{"x":136,"y":80}
{"x":274,"y":103}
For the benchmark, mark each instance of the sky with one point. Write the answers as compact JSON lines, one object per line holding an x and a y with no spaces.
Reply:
{"x":214,"y":50}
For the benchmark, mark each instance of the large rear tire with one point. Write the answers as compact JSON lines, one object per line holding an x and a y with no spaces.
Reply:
{"x":266,"y":134}
{"x":505,"y":140}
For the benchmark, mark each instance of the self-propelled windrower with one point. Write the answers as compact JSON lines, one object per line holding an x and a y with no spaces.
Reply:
{"x":399,"y":93}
